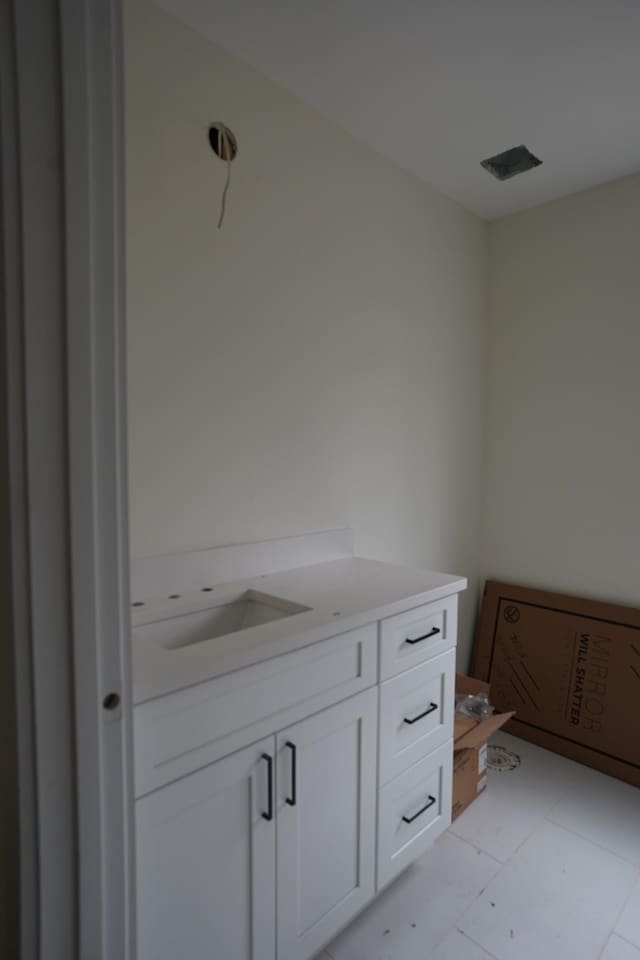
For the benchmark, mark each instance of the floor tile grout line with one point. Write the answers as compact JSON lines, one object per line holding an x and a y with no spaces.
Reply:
{"x":622,"y":910}
{"x":476,"y":846}
{"x":539,"y":823}
{"x":480,"y":893}
{"x":544,"y":820}
{"x":562,"y":826}
{"x":474,"y":900}
{"x":635,"y":883}
{"x":614,"y":933}
{"x":499,"y":865}
{"x":606,"y":943}
{"x":543,"y":817}
{"x":475,"y":943}
{"x":503,"y":863}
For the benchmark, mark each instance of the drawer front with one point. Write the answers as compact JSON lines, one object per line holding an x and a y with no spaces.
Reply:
{"x":416,"y":713}
{"x":413,"y":810}
{"x":409,"y":638}
{"x":179,"y":733}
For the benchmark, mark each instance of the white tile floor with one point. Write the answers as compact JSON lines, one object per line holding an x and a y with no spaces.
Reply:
{"x":544,"y":866}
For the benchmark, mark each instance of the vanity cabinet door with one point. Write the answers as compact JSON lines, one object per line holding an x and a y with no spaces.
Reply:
{"x":326,"y":823}
{"x":206,"y":862}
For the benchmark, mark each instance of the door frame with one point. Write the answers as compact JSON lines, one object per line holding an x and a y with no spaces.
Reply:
{"x":63,"y":476}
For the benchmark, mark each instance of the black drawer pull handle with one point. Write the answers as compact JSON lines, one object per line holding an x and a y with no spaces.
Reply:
{"x":430,"y":709}
{"x":426,"y":636}
{"x":292,"y":800}
{"x":269,"y":814}
{"x":428,"y":804}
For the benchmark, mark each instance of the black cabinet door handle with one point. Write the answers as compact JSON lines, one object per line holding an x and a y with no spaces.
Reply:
{"x":292,"y":800}
{"x":426,"y":636}
{"x":269,"y":814}
{"x":430,"y":709}
{"x":430,"y":802}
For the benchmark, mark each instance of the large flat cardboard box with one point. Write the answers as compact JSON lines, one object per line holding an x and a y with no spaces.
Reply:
{"x":470,"y":748}
{"x":571,"y":669}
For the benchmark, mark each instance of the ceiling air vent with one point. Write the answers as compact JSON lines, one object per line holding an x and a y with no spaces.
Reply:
{"x":511,"y":162}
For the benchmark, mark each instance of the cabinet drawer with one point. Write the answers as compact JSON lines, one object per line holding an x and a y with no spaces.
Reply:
{"x":179,"y":733}
{"x":409,"y":638}
{"x":416,"y":713}
{"x":413,"y":810}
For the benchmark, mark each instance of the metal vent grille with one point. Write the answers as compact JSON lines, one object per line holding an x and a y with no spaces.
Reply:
{"x":510,"y":163}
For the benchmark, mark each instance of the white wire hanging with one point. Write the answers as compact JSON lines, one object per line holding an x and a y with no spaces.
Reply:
{"x":224,"y":145}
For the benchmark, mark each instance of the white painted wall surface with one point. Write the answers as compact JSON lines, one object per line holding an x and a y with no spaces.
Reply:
{"x":563,"y":494}
{"x":317,"y":363}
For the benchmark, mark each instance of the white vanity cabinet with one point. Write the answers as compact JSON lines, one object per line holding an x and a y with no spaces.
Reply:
{"x":326,"y":823}
{"x":277,"y":798}
{"x":206,"y":863}
{"x":206,"y":844}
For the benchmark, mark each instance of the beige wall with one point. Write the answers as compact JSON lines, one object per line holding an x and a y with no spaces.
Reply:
{"x":563,"y":454}
{"x":318,"y":363}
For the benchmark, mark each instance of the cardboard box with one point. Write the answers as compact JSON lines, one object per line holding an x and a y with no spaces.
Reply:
{"x":470,"y":748}
{"x":571,"y":669}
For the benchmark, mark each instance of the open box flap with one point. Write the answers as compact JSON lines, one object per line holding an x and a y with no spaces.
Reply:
{"x":468,"y":733}
{"x":479,"y":733}
{"x":462,"y":724}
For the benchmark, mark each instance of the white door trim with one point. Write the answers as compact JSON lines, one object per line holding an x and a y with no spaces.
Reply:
{"x":93,"y":108}
{"x":63,"y":329}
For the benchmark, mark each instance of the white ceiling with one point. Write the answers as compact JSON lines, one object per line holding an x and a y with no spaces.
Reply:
{"x":438,"y":85}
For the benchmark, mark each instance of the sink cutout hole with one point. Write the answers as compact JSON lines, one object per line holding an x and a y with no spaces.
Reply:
{"x":240,"y":612}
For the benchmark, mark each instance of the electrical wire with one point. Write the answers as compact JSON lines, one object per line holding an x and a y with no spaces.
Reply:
{"x":226,"y":153}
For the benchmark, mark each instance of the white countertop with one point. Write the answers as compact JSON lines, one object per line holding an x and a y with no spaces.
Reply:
{"x":342,"y":594}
